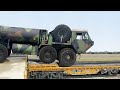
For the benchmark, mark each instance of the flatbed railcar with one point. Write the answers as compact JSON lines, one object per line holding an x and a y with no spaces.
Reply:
{"x":37,"y":70}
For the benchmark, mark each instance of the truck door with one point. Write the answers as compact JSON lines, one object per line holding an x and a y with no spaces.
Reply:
{"x":81,"y":43}
{"x":43,"y":36}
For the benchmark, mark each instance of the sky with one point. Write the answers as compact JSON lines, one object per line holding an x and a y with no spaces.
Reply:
{"x":102,"y":26}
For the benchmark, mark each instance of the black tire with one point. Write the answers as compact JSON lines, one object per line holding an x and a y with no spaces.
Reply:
{"x":3,"y":53}
{"x":61,"y":30}
{"x":47,"y":54}
{"x":65,"y":61}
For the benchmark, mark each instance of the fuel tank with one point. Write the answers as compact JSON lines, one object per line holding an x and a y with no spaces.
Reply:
{"x":24,"y":49}
{"x":19,"y":35}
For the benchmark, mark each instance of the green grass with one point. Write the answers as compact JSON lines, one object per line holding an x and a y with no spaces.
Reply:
{"x":98,"y":57}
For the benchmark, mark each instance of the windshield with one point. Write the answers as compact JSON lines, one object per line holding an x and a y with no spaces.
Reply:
{"x":85,"y":36}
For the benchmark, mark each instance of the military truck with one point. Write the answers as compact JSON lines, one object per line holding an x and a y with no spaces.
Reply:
{"x":60,"y":44}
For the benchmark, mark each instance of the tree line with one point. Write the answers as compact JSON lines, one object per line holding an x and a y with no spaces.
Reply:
{"x":105,"y":52}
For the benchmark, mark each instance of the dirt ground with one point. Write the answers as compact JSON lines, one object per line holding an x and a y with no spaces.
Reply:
{"x":14,"y":66}
{"x":98,"y":57}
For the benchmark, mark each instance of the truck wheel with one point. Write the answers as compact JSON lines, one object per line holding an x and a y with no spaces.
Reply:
{"x":47,"y":54}
{"x":67,"y":57}
{"x":61,"y":33}
{"x":3,"y":53}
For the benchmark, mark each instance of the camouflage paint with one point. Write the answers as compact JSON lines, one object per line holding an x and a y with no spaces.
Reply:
{"x":19,"y":35}
{"x":23,"y":49}
{"x":22,"y":36}
{"x":81,"y":45}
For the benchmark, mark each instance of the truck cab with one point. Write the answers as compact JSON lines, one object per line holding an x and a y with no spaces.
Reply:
{"x":81,"y":41}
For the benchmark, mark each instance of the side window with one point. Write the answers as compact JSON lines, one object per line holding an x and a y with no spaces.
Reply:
{"x":79,"y":37}
{"x":85,"y":36}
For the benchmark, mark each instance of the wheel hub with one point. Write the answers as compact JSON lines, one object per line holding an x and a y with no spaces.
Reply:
{"x":68,"y":57}
{"x":62,"y":33}
{"x":47,"y":55}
